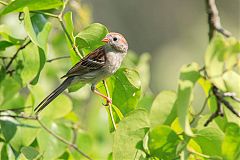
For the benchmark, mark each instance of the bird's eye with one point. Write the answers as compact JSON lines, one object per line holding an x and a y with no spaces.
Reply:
{"x":114,"y":38}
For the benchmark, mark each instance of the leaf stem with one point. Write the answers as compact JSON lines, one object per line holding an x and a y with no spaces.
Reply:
{"x":109,"y":105}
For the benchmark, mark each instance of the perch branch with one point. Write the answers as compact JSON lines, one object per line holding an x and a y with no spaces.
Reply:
{"x":74,"y":47}
{"x":214,"y":21}
{"x":109,"y":105}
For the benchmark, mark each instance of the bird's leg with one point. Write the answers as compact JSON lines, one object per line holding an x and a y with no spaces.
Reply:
{"x":108,"y":99}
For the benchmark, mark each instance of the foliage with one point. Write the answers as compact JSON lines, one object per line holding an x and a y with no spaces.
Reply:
{"x":163,"y":127}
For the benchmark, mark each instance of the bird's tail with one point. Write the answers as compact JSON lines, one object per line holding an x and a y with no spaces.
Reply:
{"x":53,"y":95}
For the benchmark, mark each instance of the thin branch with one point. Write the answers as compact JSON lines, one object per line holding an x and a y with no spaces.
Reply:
{"x":65,"y":31}
{"x":63,"y":140}
{"x":109,"y":105}
{"x":19,"y":116}
{"x":220,"y":100}
{"x":15,"y":55}
{"x":214,"y":20}
{"x":57,"y":58}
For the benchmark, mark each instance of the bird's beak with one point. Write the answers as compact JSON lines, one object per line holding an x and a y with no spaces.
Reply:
{"x":106,"y":40}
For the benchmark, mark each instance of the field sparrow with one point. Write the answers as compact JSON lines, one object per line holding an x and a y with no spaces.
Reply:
{"x":96,"y":66}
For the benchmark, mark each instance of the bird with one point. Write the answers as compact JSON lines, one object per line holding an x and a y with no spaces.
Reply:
{"x":93,"y":68}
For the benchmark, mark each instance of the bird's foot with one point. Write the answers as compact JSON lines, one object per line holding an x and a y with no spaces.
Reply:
{"x":109,"y":101}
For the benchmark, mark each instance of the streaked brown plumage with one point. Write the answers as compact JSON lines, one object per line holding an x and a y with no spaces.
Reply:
{"x":96,"y":66}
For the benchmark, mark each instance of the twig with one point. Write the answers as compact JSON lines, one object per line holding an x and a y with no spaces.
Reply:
{"x":195,"y":116}
{"x":214,"y":20}
{"x":63,"y":140}
{"x":19,"y":116}
{"x":57,"y":58}
{"x":65,"y":31}
{"x":220,"y":100}
{"x":15,"y":55}
{"x":109,"y":105}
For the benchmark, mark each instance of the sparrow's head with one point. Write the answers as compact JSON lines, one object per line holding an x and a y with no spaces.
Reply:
{"x":116,"y":41}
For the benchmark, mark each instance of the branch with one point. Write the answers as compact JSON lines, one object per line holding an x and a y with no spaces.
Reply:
{"x":15,"y":55}
{"x":214,"y":20}
{"x":63,"y":140}
{"x":48,"y":130}
{"x":220,"y":100}
{"x":109,"y":105}
{"x":57,"y":58}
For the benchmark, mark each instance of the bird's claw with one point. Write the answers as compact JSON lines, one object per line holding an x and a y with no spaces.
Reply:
{"x":109,"y":101}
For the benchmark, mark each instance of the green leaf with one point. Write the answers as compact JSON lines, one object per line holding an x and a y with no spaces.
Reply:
{"x":69,"y":23}
{"x":162,"y":108}
{"x":18,"y":5}
{"x":42,"y":60}
{"x":163,"y":142}
{"x":130,"y":131}
{"x":5,"y":90}
{"x":232,"y":82}
{"x":29,"y":152}
{"x":57,"y":108}
{"x":125,"y":89}
{"x":29,"y":57}
{"x":8,"y":128}
{"x":231,"y":142}
{"x":49,"y":146}
{"x":91,"y":36}
{"x":7,"y":152}
{"x":210,"y":140}
{"x":220,"y":53}
{"x":188,"y":77}
{"x":25,"y":135}
{"x":37,"y":29}
{"x":5,"y":44}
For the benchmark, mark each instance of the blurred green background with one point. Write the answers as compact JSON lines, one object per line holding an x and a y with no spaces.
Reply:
{"x":173,"y":32}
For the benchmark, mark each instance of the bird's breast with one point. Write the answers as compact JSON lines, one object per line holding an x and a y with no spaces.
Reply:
{"x":113,"y":61}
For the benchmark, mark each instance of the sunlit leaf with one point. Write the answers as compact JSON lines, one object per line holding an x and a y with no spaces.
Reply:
{"x":163,"y":142}
{"x":210,"y":140}
{"x":130,"y":131}
{"x":188,"y":77}
{"x":232,"y":82}
{"x":91,"y":36}
{"x":220,"y":53}
{"x":38,"y":29}
{"x":231,"y":142}
{"x":162,"y":107}
{"x":18,"y":5}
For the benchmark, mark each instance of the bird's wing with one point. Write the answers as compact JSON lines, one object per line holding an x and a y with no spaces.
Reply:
{"x":93,"y":61}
